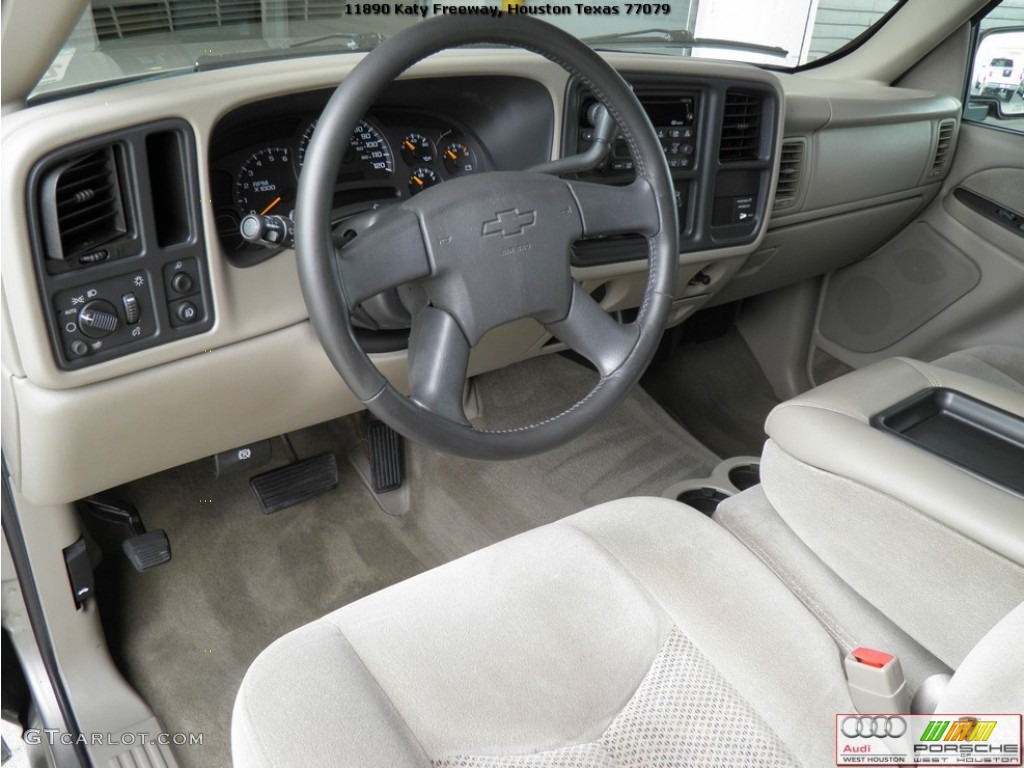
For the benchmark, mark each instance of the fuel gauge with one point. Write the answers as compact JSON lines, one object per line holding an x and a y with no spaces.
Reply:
{"x":458,"y":158}
{"x":422,"y":178}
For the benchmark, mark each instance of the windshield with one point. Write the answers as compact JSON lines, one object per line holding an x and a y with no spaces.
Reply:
{"x":119,"y":40}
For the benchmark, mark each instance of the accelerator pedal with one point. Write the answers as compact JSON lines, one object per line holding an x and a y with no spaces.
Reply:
{"x":380,"y":464}
{"x":295,"y":483}
{"x":387,"y":457}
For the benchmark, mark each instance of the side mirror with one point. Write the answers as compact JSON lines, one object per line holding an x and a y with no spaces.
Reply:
{"x":996,"y":90}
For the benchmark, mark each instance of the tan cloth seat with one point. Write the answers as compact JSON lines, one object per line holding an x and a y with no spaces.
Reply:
{"x":637,"y":628}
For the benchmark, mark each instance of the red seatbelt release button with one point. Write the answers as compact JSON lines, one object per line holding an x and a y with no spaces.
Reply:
{"x":872,"y":657}
{"x":876,"y":681}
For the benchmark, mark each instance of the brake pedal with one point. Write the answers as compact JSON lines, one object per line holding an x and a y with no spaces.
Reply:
{"x":147,"y":550}
{"x":144,"y":549}
{"x":290,"y":485}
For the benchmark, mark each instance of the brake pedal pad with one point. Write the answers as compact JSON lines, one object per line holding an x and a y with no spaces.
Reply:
{"x":144,"y":549}
{"x":387,"y":456}
{"x":303,"y":480}
{"x":147,"y":550}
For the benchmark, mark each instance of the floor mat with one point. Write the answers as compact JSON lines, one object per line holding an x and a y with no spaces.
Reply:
{"x":716,"y":389}
{"x":185,"y":633}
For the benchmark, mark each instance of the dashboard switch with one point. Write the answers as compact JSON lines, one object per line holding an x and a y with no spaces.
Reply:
{"x":131,"y":308}
{"x":187,"y":312}
{"x":98,"y":318}
{"x":182,"y":282}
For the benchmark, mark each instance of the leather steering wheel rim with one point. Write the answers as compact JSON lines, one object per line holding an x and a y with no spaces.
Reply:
{"x":510,"y":215}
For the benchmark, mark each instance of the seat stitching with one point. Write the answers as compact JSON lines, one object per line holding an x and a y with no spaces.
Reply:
{"x":376,"y":682}
{"x":821,"y":407}
{"x":921,"y":370}
{"x":827,"y":618}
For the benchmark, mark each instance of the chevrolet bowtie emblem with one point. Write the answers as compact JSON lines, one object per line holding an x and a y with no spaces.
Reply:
{"x":509,"y":223}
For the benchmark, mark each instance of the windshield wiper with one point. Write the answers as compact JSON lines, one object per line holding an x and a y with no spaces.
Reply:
{"x":680,"y":38}
{"x":353,"y":42}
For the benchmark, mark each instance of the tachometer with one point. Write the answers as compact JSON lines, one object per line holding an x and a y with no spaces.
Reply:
{"x":266,"y":181}
{"x":368,"y":155}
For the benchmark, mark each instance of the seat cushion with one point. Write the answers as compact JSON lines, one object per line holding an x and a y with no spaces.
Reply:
{"x":572,"y":644}
{"x":997,"y":364}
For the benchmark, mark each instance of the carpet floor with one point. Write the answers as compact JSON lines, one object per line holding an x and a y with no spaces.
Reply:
{"x":184,"y":633}
{"x":717,"y":391}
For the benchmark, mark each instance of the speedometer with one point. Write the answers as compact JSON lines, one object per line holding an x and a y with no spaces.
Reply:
{"x":368,"y":155}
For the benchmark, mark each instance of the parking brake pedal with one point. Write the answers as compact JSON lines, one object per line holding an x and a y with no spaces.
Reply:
{"x":303,"y":480}
{"x":144,"y":549}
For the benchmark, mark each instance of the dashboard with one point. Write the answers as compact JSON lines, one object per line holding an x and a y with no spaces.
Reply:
{"x":213,"y":348}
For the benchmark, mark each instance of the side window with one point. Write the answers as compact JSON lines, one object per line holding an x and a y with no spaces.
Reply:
{"x":996,"y":88}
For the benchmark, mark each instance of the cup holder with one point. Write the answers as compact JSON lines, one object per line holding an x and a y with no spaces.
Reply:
{"x":745,"y":476}
{"x":729,"y":478}
{"x":704,"y":500}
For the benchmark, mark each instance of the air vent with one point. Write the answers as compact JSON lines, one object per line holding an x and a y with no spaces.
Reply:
{"x":741,"y":127}
{"x":82,"y":206}
{"x":943,"y":149}
{"x":791,"y":165}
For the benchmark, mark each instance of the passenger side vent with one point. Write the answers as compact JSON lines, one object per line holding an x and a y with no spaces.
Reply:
{"x":81,"y":204}
{"x":741,"y":127}
{"x":943,"y":149}
{"x":791,"y":166}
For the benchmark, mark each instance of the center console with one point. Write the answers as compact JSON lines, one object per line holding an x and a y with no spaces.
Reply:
{"x":907,"y":480}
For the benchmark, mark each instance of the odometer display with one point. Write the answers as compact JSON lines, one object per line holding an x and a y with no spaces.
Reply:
{"x":368,"y":155}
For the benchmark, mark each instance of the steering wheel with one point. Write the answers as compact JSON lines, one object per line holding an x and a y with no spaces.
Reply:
{"x":485,"y":249}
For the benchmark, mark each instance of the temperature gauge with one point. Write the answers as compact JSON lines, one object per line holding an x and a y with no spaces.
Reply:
{"x":458,"y":158}
{"x":422,"y":178}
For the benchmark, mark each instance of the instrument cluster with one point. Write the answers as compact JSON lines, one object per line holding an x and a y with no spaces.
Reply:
{"x":391,"y":155}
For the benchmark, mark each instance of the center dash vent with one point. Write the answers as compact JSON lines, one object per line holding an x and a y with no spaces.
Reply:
{"x":741,"y":127}
{"x":791,"y":166}
{"x":82,"y":207}
{"x":943,"y":149}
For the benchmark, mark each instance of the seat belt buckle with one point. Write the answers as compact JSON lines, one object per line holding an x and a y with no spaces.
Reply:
{"x":876,"y":681}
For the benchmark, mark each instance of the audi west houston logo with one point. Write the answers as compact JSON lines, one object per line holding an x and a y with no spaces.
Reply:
{"x":873,"y":726}
{"x":940,"y":739}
